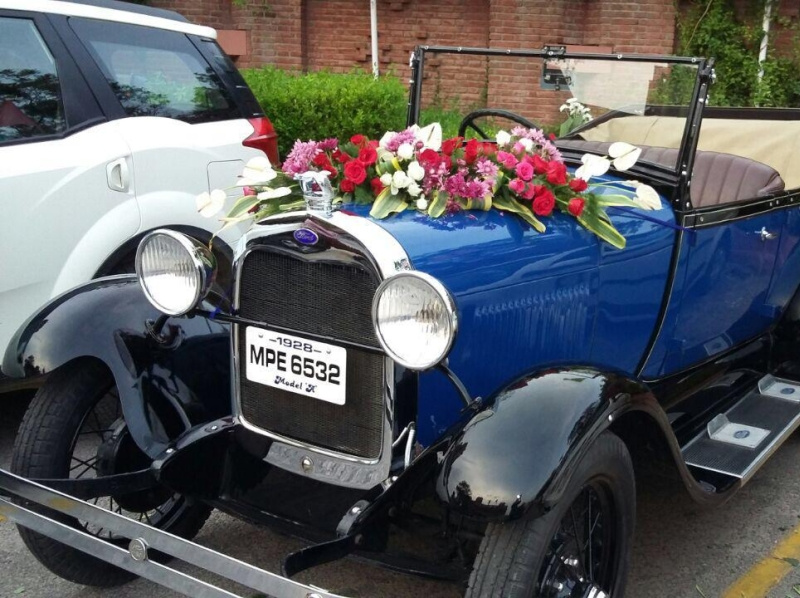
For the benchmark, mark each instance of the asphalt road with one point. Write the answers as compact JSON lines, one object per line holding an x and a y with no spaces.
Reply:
{"x":681,"y":550}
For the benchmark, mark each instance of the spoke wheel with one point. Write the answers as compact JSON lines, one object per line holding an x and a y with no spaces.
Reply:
{"x":580,"y":549}
{"x":75,"y":428}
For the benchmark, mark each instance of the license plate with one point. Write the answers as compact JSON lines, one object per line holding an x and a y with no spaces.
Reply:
{"x":295,"y":364}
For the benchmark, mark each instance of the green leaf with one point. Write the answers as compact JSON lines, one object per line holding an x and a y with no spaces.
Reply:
{"x":242,"y":206}
{"x":599,"y":224}
{"x":607,"y":201}
{"x":386,"y":204}
{"x":438,"y":204}
{"x":19,"y":590}
{"x":512,"y":205}
{"x":363,"y":196}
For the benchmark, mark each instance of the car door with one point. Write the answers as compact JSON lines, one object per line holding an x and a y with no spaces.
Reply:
{"x":64,"y":172}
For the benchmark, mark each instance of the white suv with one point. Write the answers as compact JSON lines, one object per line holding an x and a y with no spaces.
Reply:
{"x":113,"y":118}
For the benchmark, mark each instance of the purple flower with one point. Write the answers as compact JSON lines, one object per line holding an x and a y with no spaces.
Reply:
{"x":538,"y":137}
{"x":299,"y":159}
{"x":486,"y":168}
{"x":328,"y":145}
{"x":399,"y":139}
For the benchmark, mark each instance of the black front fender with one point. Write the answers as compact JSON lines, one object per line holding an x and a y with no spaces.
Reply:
{"x":514,"y":457}
{"x":165,"y":387}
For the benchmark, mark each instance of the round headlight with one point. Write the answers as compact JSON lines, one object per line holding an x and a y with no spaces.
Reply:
{"x":175,"y":271}
{"x":415,"y":319}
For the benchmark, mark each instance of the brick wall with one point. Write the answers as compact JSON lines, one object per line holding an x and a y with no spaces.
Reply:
{"x":335,"y":34}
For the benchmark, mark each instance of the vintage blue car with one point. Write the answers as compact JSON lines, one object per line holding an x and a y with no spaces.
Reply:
{"x":466,"y":372}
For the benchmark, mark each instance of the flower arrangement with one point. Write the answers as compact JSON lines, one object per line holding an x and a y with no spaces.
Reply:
{"x":577,"y":115}
{"x":522,"y":172}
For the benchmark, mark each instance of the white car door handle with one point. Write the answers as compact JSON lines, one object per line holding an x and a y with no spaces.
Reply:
{"x":118,"y":176}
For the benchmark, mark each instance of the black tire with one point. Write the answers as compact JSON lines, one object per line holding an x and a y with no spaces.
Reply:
{"x":48,"y":437}
{"x":526,"y":558}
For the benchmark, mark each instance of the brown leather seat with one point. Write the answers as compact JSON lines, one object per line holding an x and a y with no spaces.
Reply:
{"x":717,"y":178}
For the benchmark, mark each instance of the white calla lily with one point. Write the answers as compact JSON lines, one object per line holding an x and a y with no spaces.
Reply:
{"x":624,"y":155}
{"x":592,"y":166}
{"x":274,"y":193}
{"x":647,"y":198}
{"x":208,"y":204}
{"x":430,"y":136}
{"x":386,"y":138}
{"x":258,"y":171}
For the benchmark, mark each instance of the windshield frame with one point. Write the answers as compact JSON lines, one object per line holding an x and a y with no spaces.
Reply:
{"x":677,"y":177}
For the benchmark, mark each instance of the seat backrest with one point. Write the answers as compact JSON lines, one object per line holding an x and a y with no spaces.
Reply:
{"x":717,"y":178}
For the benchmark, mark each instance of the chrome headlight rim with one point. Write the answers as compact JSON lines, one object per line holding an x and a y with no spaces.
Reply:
{"x":447,"y":300}
{"x":203,"y":262}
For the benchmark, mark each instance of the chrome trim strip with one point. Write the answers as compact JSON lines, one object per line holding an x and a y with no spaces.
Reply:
{"x":232,"y":569}
{"x":388,"y":258}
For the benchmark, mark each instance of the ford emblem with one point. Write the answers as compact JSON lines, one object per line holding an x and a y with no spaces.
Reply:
{"x":305,"y":236}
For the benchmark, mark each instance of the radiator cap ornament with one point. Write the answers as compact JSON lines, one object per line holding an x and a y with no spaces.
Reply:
{"x":317,"y":192}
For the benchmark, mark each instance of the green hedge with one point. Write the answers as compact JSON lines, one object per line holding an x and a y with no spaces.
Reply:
{"x":323,"y":104}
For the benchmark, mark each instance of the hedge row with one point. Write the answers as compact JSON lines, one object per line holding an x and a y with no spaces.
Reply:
{"x":322,"y":104}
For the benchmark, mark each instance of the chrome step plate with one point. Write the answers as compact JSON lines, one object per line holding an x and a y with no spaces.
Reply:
{"x":778,"y":388}
{"x":738,"y":442}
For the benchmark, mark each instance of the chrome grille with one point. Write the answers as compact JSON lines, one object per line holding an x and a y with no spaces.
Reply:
{"x":330,"y":299}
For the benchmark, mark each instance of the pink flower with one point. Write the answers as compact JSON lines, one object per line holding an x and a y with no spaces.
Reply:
{"x":507,"y":160}
{"x":486,"y":168}
{"x":517,"y":186}
{"x":524,"y":171}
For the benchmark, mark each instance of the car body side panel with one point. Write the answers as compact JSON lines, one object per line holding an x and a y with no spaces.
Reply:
{"x":526,"y":298}
{"x":729,"y":272}
{"x":184,"y":381}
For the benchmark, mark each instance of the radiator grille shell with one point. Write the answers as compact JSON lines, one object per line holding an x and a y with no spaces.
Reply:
{"x":325,"y":298}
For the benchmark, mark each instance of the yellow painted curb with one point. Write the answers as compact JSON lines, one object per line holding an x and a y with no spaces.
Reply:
{"x":767,"y":573}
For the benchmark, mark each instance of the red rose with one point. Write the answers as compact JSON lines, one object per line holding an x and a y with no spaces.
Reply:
{"x":539,"y":164}
{"x":355,"y":171}
{"x":373,"y":143}
{"x":320,"y":160}
{"x":357,"y":139}
{"x":488,"y":148}
{"x":578,"y":185}
{"x":556,"y":173}
{"x":543,"y":201}
{"x":341,"y":157}
{"x":524,"y":171}
{"x":552,"y":136}
{"x":451,"y":145}
{"x":429,"y":158}
{"x":576,"y":205}
{"x":471,"y":151}
{"x":347,"y":186}
{"x":330,"y":168}
{"x":368,"y":156}
{"x":376,"y":185}
{"x":517,"y":186}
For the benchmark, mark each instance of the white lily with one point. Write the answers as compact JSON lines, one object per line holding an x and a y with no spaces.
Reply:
{"x":208,"y":204}
{"x":416,"y":171}
{"x":274,"y":193}
{"x":503,"y":138}
{"x":624,"y":155}
{"x":592,"y":166}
